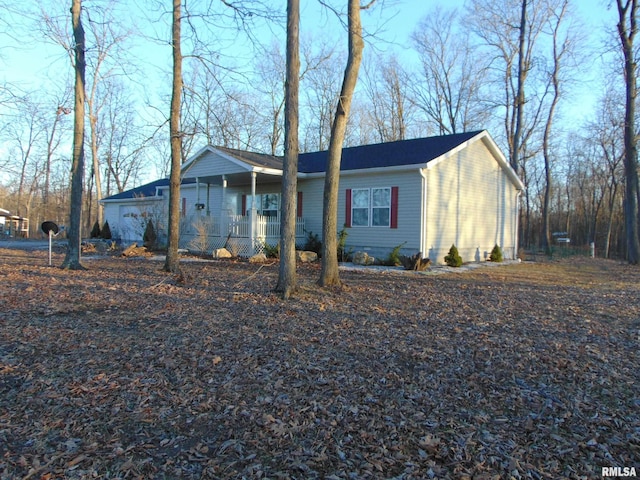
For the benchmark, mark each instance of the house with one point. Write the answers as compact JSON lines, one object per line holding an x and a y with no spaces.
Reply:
{"x":13,"y":225}
{"x":424,"y":194}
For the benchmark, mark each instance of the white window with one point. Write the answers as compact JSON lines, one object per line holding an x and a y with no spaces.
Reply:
{"x":360,"y":207}
{"x":267,"y":204}
{"x":371,"y":207}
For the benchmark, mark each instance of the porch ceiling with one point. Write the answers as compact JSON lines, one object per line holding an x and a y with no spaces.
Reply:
{"x":241,"y":179}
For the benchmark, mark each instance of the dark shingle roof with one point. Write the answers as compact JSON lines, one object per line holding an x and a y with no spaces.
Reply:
{"x":255,"y":159}
{"x":147,"y":190}
{"x":403,"y":152}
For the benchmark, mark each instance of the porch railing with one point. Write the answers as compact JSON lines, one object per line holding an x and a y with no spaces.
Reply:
{"x":204,"y":234}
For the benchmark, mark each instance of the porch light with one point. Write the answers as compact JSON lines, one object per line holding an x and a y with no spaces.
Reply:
{"x":199,"y":206}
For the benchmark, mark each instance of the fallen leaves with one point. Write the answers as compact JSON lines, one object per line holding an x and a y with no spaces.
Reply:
{"x":123,"y":371}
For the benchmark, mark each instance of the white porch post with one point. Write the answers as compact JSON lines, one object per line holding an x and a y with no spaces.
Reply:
{"x":197,"y":195}
{"x":253,"y":215}
{"x":224,"y":211}
{"x":208,"y":200}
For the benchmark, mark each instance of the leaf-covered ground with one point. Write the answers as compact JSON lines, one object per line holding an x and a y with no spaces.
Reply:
{"x":528,"y":370}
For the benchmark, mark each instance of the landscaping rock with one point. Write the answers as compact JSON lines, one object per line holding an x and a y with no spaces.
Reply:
{"x":221,"y":253}
{"x":306,"y":256}
{"x":258,"y":258}
{"x":363,"y":258}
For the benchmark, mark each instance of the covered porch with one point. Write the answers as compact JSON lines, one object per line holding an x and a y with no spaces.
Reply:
{"x":242,"y":235}
{"x":229,"y":213}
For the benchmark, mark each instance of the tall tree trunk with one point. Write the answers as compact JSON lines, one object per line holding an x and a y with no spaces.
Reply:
{"x":72,"y":259}
{"x":628,"y":10}
{"x":287,"y":282}
{"x":558,"y":52}
{"x":172,"y":262}
{"x":329,"y":274}
{"x":519,"y":100}
{"x":93,"y":120}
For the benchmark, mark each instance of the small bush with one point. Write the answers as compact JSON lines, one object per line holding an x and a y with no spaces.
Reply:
{"x":95,"y":231}
{"x":393,"y":259}
{"x":496,"y":254}
{"x":343,"y":255}
{"x":149,"y":238}
{"x":453,"y":259}
{"x":313,"y":244}
{"x":106,"y":231}
{"x":271,"y":251}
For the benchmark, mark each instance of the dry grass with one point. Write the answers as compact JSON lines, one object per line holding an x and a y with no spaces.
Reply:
{"x":123,"y":371}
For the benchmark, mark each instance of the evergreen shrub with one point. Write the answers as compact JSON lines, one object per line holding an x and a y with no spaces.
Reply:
{"x":95,"y":231}
{"x":106,"y":231}
{"x":496,"y":254}
{"x":453,"y":259}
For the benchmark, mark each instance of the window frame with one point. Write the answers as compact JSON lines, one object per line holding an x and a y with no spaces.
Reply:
{"x":356,"y":220}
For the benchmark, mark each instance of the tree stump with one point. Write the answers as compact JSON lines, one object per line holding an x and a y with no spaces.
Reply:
{"x":415,"y":262}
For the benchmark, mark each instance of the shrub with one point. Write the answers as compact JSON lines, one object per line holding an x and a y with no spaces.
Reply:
{"x":149,"y":237}
{"x":271,"y":251}
{"x":106,"y":231}
{"x":95,"y":231}
{"x":453,"y":259}
{"x":496,"y":254}
{"x":394,"y":257}
{"x":343,"y":256}
{"x":313,"y":243}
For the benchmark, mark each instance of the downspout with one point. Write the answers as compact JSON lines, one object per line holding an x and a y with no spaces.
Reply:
{"x":423,"y":214}
{"x":517,"y":223}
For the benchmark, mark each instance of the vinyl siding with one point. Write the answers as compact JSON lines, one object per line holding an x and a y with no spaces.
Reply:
{"x":211,"y":164}
{"x":379,"y":241}
{"x":131,"y":229}
{"x":470,"y":203}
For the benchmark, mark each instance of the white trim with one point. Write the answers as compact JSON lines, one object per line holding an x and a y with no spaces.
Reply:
{"x":154,"y":198}
{"x":244,"y":165}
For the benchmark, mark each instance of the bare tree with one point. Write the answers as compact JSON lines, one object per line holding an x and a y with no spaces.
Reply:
{"x":386,"y":87}
{"x":627,"y":30}
{"x":287,"y":282}
{"x":561,"y":47}
{"x":510,"y":29}
{"x":606,"y":132}
{"x":329,"y":275}
{"x":172,"y":261}
{"x":447,"y":89}
{"x":107,"y":40}
{"x":122,"y":144}
{"x":320,"y":81}
{"x":72,"y":259}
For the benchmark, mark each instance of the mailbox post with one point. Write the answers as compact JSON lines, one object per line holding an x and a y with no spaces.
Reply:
{"x":51,"y":229}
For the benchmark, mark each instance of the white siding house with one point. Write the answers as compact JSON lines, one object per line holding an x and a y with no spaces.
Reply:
{"x":424,"y":194}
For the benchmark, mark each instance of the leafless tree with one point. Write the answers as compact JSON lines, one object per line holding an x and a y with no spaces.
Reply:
{"x":72,"y":259}
{"x":172,"y":261}
{"x":287,"y":282}
{"x":562,"y":46}
{"x":321,"y":85}
{"x":329,"y":275}
{"x":509,"y":30}
{"x":627,"y":30}
{"x":386,"y":86}
{"x":448,"y":88}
